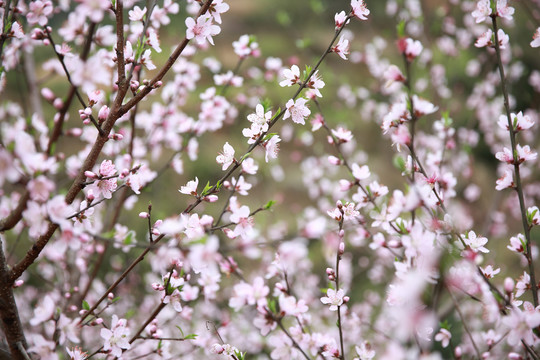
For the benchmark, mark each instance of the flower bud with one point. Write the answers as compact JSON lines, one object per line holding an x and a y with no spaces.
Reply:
{"x":508,"y":285}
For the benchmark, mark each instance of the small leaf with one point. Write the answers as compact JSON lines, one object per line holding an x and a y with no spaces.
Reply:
{"x":399,"y":163}
{"x":269,"y":136}
{"x":191,"y":336}
{"x":181,"y":332}
{"x":401,"y":29}
{"x":269,"y":204}
{"x":85,"y":305}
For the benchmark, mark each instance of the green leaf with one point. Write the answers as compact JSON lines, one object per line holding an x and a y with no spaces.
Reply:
{"x":269,"y":136}
{"x":181,"y":332}
{"x":85,"y":305}
{"x":269,"y":204}
{"x":399,"y":163}
{"x":531,"y":215}
{"x":240,"y":355}
{"x":206,"y":189}
{"x":115,"y":299}
{"x":272,"y":305}
{"x":401,"y":29}
{"x":191,"y":336}
{"x":129,"y":239}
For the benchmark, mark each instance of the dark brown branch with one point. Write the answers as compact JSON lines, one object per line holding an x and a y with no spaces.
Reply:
{"x":16,"y":215}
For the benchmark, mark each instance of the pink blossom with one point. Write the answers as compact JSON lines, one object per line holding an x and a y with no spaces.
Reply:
{"x":76,"y":354}
{"x":393,"y":74}
{"x":249,"y":166}
{"x":536,"y":38}
{"x":241,"y":186}
{"x":482,"y":11}
{"x":334,"y":298}
{"x":517,"y":243}
{"x":489,"y":272}
{"x":217,"y":8}
{"x":297,"y":110}
{"x":190,"y":188}
{"x":360,"y":172}
{"x":226,"y":158}
{"x":365,"y":351}
{"x":339,"y":19}
{"x":523,"y":284}
{"x":315,"y":83}
{"x":146,"y":61}
{"x":137,"y":14}
{"x":202,"y":30}
{"x":44,"y":311}
{"x":95,"y":9}
{"x":272,"y":147}
{"x":503,"y":10}
{"x":116,"y":339}
{"x":246,"y":46}
{"x":342,"y":48}
{"x":476,"y":243}
{"x":505,"y":181}
{"x":412,"y":48}
{"x":359,"y":9}
{"x":533,"y":214}
{"x":260,"y":117}
{"x":292,"y":76}
{"x":443,"y":336}
{"x":39,"y":11}
{"x":174,"y":300}
{"x":521,"y":326}
{"x":40,"y":188}
{"x":423,"y":107}
{"x":342,"y":134}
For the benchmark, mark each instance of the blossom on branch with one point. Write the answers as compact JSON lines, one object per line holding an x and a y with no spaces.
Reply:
{"x":226,"y":158}
{"x":297,"y":110}
{"x":202,"y":30}
{"x":359,"y":9}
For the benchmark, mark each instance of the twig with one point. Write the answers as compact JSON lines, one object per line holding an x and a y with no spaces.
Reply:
{"x":119,"y":280}
{"x":519,"y":186}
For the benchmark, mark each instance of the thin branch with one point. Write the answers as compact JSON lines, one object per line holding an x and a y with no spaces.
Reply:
{"x":519,"y":186}
{"x":119,"y":280}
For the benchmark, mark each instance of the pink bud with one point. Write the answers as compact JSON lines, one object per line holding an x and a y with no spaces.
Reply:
{"x":18,"y":283}
{"x":508,"y":285}
{"x":90,"y":174}
{"x":134,"y":85}
{"x":76,"y":289}
{"x":110,"y":296}
{"x":341,"y":248}
{"x":67,"y":295}
{"x":58,"y":104}
{"x":90,"y":195}
{"x":329,"y":271}
{"x":334,"y":160}
{"x":86,"y":122}
{"x":158,"y":84}
{"x":103,"y":113}
{"x":73,"y":308}
{"x":99,"y":321}
{"x":346,"y":299}
{"x":345,"y":185}
{"x":75,"y":132}
{"x":144,"y":215}
{"x":88,"y":111}
{"x":458,"y":352}
{"x":211,"y":198}
{"x":339,"y":204}
{"x":48,"y":94}
{"x":116,"y":137}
